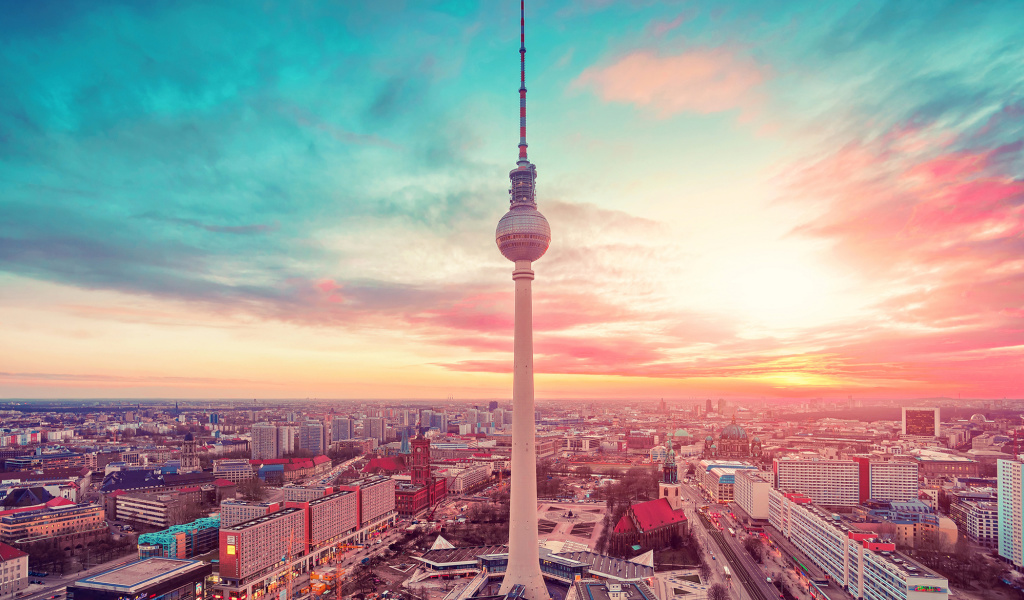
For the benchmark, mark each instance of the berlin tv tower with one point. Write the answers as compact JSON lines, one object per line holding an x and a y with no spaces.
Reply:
{"x":523,"y":236}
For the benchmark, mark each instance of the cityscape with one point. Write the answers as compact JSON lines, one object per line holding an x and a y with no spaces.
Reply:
{"x":762,"y":337}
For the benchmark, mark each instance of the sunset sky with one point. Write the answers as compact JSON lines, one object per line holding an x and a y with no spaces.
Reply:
{"x":298,"y":199}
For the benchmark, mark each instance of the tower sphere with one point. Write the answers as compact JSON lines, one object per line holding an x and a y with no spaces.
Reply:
{"x":523,"y":234}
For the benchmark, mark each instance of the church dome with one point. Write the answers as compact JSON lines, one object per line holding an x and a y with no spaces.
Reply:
{"x":709,"y":439}
{"x":189,"y":437}
{"x":733,"y":431}
{"x":756,"y":439}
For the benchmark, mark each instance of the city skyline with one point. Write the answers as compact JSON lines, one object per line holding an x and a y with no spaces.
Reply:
{"x":782,"y":200}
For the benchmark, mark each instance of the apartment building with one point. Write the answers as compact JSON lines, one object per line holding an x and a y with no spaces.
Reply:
{"x":824,"y":481}
{"x":1011,"y":490}
{"x":311,"y":436}
{"x":888,"y":479}
{"x":13,"y":570}
{"x":233,"y":512}
{"x":264,"y":441}
{"x":78,"y":523}
{"x":252,"y":547}
{"x":332,"y":517}
{"x":376,"y":501}
{"x":870,"y":569}
{"x":750,"y":492}
{"x":982,"y":522}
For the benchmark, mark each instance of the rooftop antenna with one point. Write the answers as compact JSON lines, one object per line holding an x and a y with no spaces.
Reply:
{"x":522,"y":83}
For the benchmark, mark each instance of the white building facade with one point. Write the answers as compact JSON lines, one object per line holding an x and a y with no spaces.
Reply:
{"x":824,"y":481}
{"x":866,"y":568}
{"x":1011,"y":538}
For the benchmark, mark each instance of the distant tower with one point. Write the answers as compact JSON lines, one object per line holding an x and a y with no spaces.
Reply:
{"x":670,"y":488}
{"x":421,"y":461}
{"x":405,"y":442}
{"x":523,"y":236}
{"x":189,"y":458}
{"x":669,"y":467}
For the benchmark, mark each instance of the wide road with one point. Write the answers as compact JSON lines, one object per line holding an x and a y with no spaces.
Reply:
{"x":739,"y":570}
{"x":754,"y":569}
{"x":752,"y":580}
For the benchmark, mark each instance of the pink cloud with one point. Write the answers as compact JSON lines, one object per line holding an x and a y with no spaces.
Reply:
{"x":703,"y":81}
{"x":939,"y":232}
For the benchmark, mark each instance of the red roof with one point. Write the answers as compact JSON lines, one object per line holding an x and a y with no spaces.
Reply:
{"x":222,"y":482}
{"x":9,"y":552}
{"x":624,"y":525}
{"x":656,"y":513}
{"x":194,"y":488}
{"x":59,"y":502}
{"x":319,"y":460}
{"x":391,"y":464}
{"x":11,"y":511}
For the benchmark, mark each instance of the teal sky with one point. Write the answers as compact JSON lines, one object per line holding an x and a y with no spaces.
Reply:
{"x":299,"y":198}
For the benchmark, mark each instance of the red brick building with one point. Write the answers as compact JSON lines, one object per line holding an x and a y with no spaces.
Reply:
{"x":651,"y":525}
{"x":425,"y":490}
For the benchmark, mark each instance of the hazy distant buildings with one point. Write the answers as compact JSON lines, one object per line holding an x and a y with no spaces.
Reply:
{"x":341,"y":429}
{"x":311,"y":436}
{"x":374,"y":428}
{"x":285,"y":440}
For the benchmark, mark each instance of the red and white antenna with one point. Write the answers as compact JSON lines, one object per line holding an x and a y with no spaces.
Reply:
{"x":522,"y":82}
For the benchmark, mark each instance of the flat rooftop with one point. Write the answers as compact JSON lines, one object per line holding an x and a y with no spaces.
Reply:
{"x":135,"y":576}
{"x":599,"y":591}
{"x":449,"y":556}
{"x":260,"y":520}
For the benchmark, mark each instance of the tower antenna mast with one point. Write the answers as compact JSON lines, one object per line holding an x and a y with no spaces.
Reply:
{"x":523,"y":236}
{"x":522,"y":83}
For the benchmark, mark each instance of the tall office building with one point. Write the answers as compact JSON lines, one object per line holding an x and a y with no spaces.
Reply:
{"x":707,"y":406}
{"x":264,"y":441}
{"x":373,"y":427}
{"x":311,"y":436}
{"x":440,"y":421}
{"x":341,"y":429}
{"x":1011,"y":528}
{"x":921,"y":422}
{"x":523,"y":236}
{"x":285,"y":440}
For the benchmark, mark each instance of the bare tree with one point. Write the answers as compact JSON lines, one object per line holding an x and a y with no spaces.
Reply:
{"x":253,"y":489}
{"x":718,"y":591}
{"x":704,"y":570}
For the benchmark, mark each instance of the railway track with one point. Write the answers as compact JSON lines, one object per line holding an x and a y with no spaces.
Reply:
{"x":740,"y":572}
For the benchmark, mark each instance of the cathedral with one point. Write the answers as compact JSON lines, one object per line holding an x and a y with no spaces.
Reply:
{"x":732,"y":443}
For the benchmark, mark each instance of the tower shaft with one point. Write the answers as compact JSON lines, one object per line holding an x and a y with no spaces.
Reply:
{"x":523,"y":557}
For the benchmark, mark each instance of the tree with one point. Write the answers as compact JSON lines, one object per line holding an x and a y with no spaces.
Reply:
{"x":718,"y":591}
{"x":253,"y":489}
{"x":704,"y":570}
{"x":185,"y":512}
{"x":754,"y":548}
